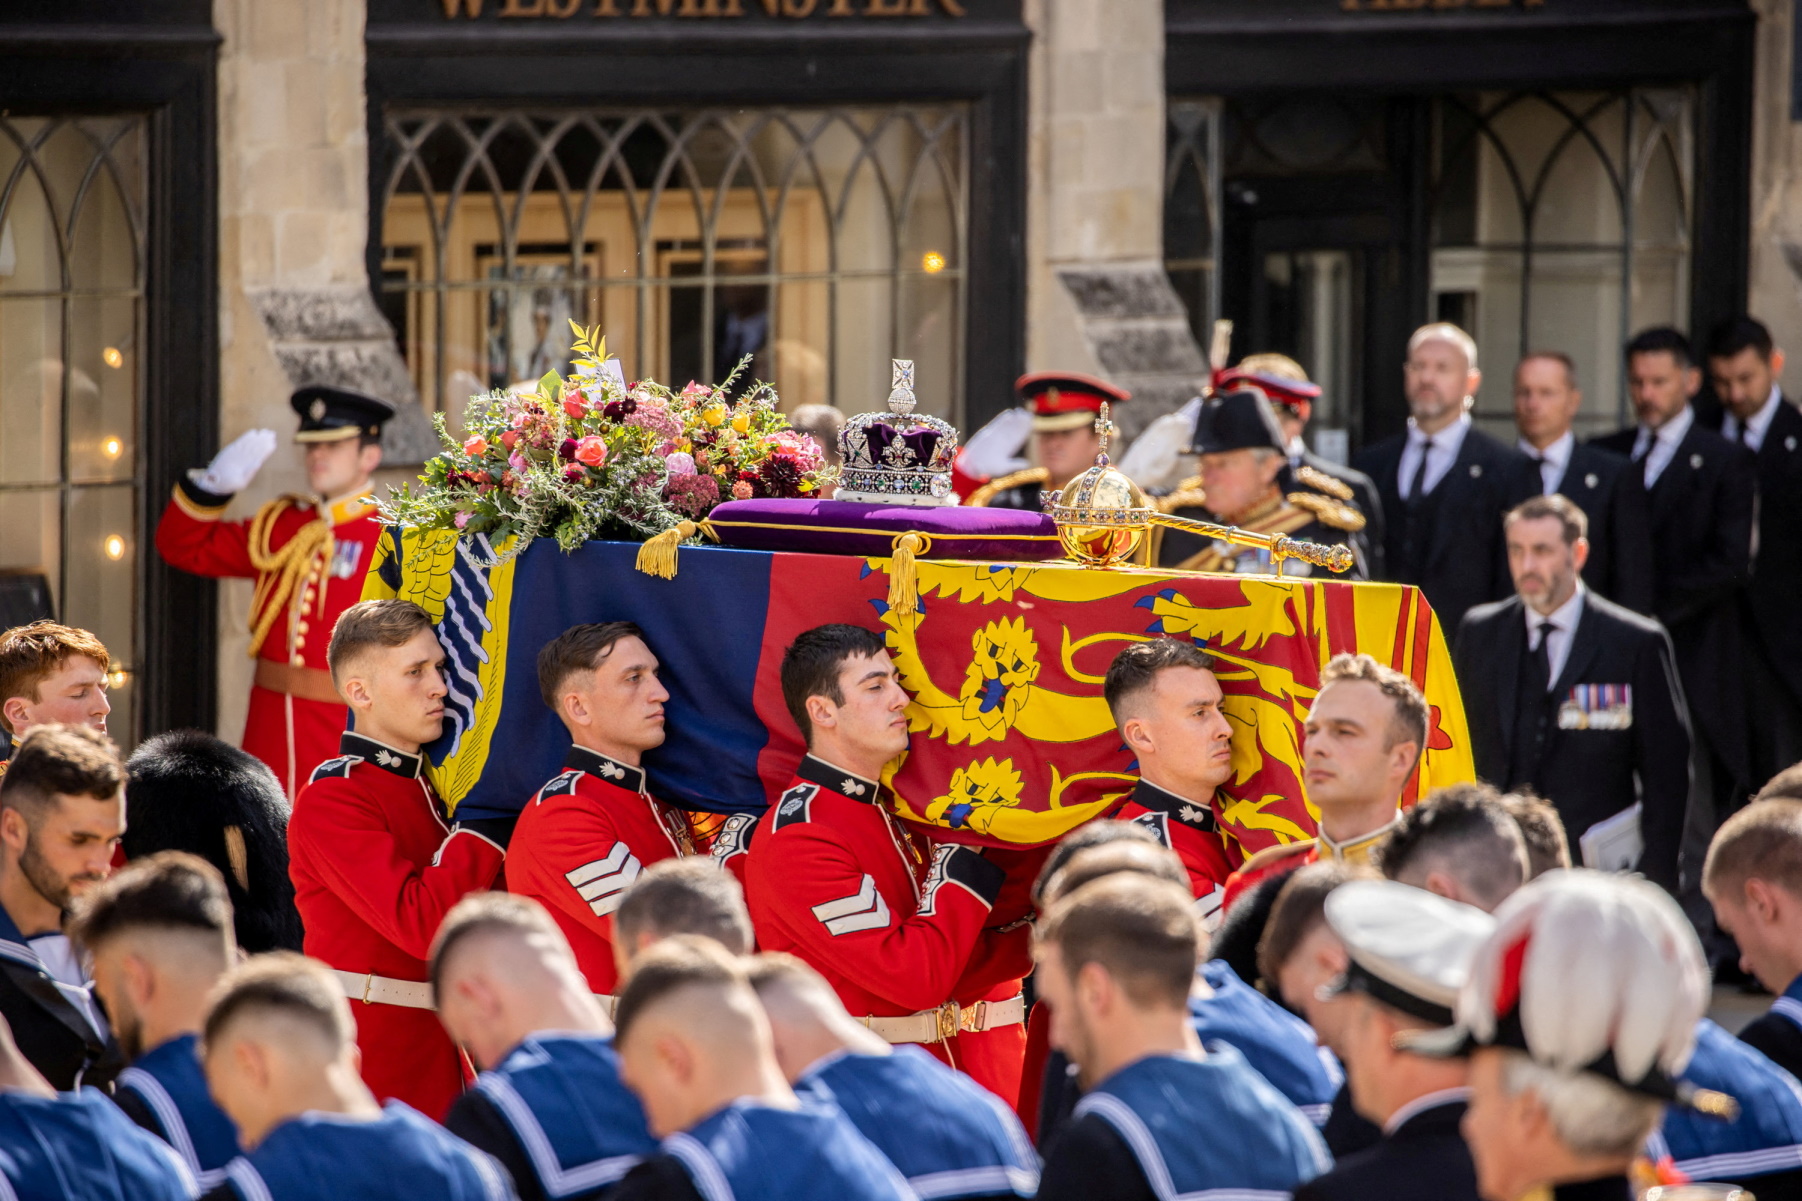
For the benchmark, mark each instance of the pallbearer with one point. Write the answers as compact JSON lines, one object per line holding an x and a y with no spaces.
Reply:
{"x":308,"y":555}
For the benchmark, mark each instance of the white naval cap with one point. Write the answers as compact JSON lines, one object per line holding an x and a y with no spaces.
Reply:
{"x":1408,"y":948}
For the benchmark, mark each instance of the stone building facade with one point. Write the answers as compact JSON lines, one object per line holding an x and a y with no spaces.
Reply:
{"x":413,"y":196}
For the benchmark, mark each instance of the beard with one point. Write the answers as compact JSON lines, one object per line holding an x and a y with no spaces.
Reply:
{"x":59,"y":890}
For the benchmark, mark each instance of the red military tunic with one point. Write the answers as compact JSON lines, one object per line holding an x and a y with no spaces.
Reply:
{"x":1191,"y":830}
{"x":894,"y":922}
{"x":375,"y":870}
{"x":308,"y":560}
{"x":582,"y":842}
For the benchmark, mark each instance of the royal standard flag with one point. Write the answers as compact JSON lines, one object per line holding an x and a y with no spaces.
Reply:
{"x":1012,"y":741}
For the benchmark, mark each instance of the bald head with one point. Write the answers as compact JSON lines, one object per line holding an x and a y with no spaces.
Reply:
{"x":693,"y":1036}
{"x":501,"y":971}
{"x":807,"y":1020}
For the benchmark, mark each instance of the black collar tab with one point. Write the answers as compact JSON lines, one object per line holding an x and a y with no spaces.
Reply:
{"x":381,"y":755}
{"x":837,"y":779}
{"x":1196,"y":816}
{"x":602,"y":767}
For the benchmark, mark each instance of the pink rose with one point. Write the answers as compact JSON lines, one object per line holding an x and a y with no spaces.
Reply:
{"x":509,"y":438}
{"x":516,"y":461}
{"x":696,"y":389}
{"x":741,"y":490}
{"x":576,"y":405}
{"x":463,"y":519}
{"x":681,"y":464}
{"x":592,"y":451}
{"x":476,"y":446}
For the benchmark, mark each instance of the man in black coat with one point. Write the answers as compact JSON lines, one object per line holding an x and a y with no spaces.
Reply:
{"x":1743,"y":366}
{"x":1445,"y":485}
{"x":1546,"y":402}
{"x":1702,"y":490}
{"x":1577,"y":698}
{"x":62,"y":809}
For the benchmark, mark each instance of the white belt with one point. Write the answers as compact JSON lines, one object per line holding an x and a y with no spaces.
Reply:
{"x":608,"y":1002}
{"x":939,"y":1025}
{"x":372,"y":989}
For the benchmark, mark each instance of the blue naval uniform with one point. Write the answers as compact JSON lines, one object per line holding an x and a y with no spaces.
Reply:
{"x":328,"y":1157}
{"x":1192,"y":1128}
{"x":80,"y":1147}
{"x":950,"y":1137}
{"x":555,"y":1113}
{"x":749,"y":1151}
{"x":1765,"y":1139}
{"x":165,"y":1092}
{"x":1276,"y":1043}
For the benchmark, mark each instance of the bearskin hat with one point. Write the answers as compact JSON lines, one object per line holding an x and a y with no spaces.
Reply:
{"x":188,"y":791}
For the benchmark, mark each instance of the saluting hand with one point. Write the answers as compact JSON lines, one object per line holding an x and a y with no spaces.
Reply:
{"x":235,"y":466}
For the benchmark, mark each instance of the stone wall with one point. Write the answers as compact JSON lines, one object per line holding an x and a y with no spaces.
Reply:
{"x":1776,"y":251}
{"x":294,"y":305}
{"x":1097,"y":297}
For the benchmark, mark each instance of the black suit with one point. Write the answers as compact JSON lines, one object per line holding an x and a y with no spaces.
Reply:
{"x":1589,"y":774}
{"x":1450,"y":541}
{"x":1702,"y":511}
{"x":1606,"y":487}
{"x":50,"y":1031}
{"x":1425,"y":1159}
{"x":1775,"y":632}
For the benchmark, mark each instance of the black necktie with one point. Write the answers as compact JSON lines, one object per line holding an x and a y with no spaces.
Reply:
{"x":1745,"y":436}
{"x":1530,"y":710}
{"x":1542,"y":656}
{"x":1417,"y":489}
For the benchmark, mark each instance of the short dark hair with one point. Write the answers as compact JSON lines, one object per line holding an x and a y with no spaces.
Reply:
{"x":1663,"y":339}
{"x":1466,"y":828}
{"x":1125,"y":855}
{"x":1299,"y":910}
{"x":31,"y":654}
{"x":286,"y":983}
{"x":1093,"y":833}
{"x":170,"y":890}
{"x":1136,"y":668}
{"x":1554,"y":356}
{"x":689,"y":895}
{"x":1143,"y":931}
{"x":1541,"y":828}
{"x":484,"y":913}
{"x":1573,"y":521}
{"x":1412,"y":718}
{"x":60,"y":760}
{"x":1744,"y":332}
{"x":579,"y":648}
{"x":1763,"y":841}
{"x":811,"y":664}
{"x":676,"y":963}
{"x":373,"y":623}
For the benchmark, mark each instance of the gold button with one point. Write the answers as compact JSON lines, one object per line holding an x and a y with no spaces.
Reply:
{"x":299,"y":641}
{"x":297,"y":661}
{"x":300,"y":627}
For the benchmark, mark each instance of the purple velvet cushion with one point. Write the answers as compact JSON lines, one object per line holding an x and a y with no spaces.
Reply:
{"x":842,"y":527}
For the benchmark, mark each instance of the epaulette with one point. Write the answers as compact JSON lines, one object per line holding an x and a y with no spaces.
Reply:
{"x":1013,"y":479}
{"x":1186,"y":495}
{"x":1320,"y":481}
{"x":794,"y":807}
{"x":1273,"y":855}
{"x":1329,"y":511}
{"x":339,"y":768}
{"x":563,"y":785}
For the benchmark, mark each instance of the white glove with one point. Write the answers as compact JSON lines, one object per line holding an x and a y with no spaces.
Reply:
{"x":994,"y":450}
{"x":1156,"y":458}
{"x":235,"y":466}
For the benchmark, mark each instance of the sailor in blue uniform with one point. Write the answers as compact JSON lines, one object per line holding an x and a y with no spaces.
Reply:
{"x":1162,"y":1116}
{"x":1407,"y":955}
{"x":696,"y":1047}
{"x":951,"y":1138}
{"x":279,"y":1053}
{"x":160,"y":934}
{"x":549,"y":1104}
{"x":1761,"y":1148}
{"x":1280,"y":1046}
{"x":79,"y":1147}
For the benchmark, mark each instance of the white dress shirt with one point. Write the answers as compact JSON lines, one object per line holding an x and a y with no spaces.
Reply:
{"x":1564,"y":621}
{"x":1554,"y":460}
{"x":1757,"y":425}
{"x":1446,"y":445}
{"x":1658,"y":449}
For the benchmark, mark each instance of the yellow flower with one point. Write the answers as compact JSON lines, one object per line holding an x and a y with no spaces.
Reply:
{"x":742,"y":422}
{"x":714,"y":415}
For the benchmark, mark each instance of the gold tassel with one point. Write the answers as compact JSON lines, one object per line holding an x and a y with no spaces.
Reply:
{"x":658,"y":555}
{"x":903,"y":585}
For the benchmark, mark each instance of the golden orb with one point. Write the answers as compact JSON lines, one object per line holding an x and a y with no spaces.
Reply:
{"x":1101,"y":516}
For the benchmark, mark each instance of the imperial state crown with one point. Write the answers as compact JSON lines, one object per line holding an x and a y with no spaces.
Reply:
{"x":899,"y":457}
